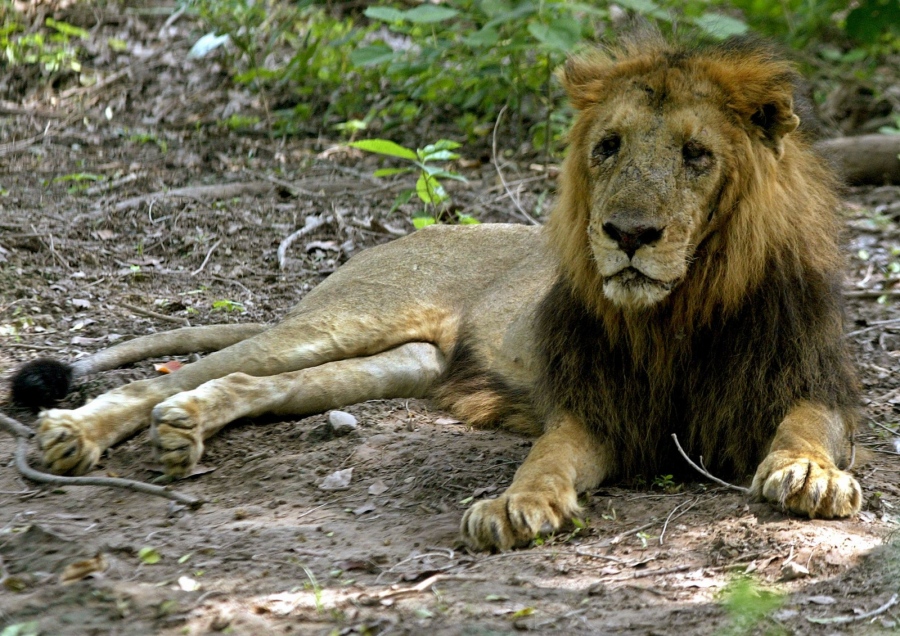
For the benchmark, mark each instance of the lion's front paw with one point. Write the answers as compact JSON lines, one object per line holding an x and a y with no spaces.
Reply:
{"x":177,"y":435}
{"x":514,"y":520}
{"x":67,"y":449}
{"x":801,"y":485}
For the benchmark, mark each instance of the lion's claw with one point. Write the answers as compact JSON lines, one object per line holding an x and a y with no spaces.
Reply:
{"x":177,"y":435}
{"x":66,"y":448}
{"x":514,"y":520}
{"x":804,"y":487}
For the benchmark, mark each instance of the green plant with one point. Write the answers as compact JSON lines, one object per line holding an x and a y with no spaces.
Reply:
{"x":428,"y":188}
{"x":316,"y":588}
{"x":52,"y":50}
{"x":748,"y":603}
{"x":227,"y":305}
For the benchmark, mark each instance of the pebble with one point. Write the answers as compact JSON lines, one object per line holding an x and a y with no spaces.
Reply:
{"x":342,"y":422}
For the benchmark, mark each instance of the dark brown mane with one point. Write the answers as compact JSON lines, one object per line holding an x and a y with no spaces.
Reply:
{"x":755,"y":326}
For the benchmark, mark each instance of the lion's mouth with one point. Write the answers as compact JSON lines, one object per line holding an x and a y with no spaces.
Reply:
{"x":632,"y":288}
{"x":631,"y":277}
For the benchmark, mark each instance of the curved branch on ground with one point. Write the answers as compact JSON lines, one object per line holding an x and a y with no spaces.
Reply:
{"x":22,"y":434}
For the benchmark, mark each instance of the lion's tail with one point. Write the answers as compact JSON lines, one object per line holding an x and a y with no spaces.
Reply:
{"x":42,"y":382}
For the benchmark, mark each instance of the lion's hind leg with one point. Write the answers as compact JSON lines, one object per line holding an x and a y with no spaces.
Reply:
{"x":801,"y":471}
{"x":181,"y":423}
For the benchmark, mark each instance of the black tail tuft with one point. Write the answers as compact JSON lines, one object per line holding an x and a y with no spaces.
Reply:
{"x":41,"y":383}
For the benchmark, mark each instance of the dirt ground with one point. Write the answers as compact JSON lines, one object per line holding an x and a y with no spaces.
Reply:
{"x":83,"y":262}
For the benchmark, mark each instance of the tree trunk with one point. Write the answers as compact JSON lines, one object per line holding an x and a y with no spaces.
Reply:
{"x":866,"y":159}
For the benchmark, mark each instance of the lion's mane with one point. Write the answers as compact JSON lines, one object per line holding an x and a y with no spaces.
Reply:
{"x":755,"y":326}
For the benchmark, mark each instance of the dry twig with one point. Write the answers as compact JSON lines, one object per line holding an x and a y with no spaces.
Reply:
{"x":690,"y":504}
{"x":512,"y":197}
{"x":220,"y":191}
{"x":18,"y":146}
{"x":206,"y":260}
{"x":859,"y":617}
{"x":706,"y":473}
{"x":152,"y":314}
{"x":22,"y":434}
{"x":312,"y":223}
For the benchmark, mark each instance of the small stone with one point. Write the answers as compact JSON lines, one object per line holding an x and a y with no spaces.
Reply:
{"x":338,"y":480}
{"x":793,"y":570}
{"x":342,"y":422}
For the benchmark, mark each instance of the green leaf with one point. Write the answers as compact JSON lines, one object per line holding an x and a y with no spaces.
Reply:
{"x":430,"y":189}
{"x":422,"y":221}
{"x":439,"y":155}
{"x":384,"y":147}
{"x":390,"y":172}
{"x":402,"y":199}
{"x":467,"y":219}
{"x":484,"y":38}
{"x":646,"y":7}
{"x":720,"y":26}
{"x":871,"y":18}
{"x":149,"y":555}
{"x":559,"y":35}
{"x":67,"y":29}
{"x":522,"y":613}
{"x":372,"y":55}
{"x":429,"y":14}
{"x":31,"y":628}
{"x":385,"y":14}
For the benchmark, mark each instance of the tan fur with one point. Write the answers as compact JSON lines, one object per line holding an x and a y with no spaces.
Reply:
{"x":541,"y":329}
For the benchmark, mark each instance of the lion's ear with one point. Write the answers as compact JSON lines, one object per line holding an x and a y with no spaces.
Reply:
{"x":775,"y":120}
{"x":582,"y":77}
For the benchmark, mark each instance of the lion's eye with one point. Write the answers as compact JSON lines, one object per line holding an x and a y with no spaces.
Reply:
{"x":606,"y":147}
{"x":696,"y":155}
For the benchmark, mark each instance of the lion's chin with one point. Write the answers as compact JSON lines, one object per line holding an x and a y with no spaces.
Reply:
{"x":634,"y":290}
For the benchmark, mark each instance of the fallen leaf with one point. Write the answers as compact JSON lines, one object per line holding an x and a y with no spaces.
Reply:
{"x":363,"y":509}
{"x":168,"y":367}
{"x":377,"y":488}
{"x":188,"y":584}
{"x":338,"y":480}
{"x":81,"y":303}
{"x":446,"y":421}
{"x":81,"y":569}
{"x":149,"y":555}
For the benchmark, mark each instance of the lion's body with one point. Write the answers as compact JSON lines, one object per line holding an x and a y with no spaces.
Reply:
{"x":688,"y":282}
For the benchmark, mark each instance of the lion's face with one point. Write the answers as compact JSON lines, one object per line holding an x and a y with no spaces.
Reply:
{"x":655,"y":174}
{"x":654,"y":161}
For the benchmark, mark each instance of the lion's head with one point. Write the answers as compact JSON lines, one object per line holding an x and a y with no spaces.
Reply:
{"x":672,"y":154}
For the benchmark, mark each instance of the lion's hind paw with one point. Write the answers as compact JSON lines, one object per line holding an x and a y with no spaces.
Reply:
{"x":62,"y":437}
{"x":804,"y":487}
{"x":177,"y":435}
{"x":514,"y":520}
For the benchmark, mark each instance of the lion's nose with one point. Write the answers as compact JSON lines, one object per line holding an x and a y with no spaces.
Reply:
{"x":630,"y":237}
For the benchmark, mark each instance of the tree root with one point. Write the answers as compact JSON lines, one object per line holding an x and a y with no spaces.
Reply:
{"x":22,"y":434}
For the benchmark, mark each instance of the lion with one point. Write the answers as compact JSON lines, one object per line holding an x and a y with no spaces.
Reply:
{"x":687,"y":282}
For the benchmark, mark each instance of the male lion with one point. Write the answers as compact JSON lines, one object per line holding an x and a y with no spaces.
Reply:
{"x":687,"y":282}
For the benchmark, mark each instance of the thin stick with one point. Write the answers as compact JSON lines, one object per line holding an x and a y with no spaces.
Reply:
{"x":153,"y":314}
{"x":692,"y":503}
{"x":872,"y":326}
{"x":892,"y":293}
{"x":206,"y":260}
{"x":859,"y":617}
{"x":312,"y":223}
{"x":514,"y":199}
{"x":22,"y":434}
{"x":706,"y":474}
{"x":889,"y":430}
